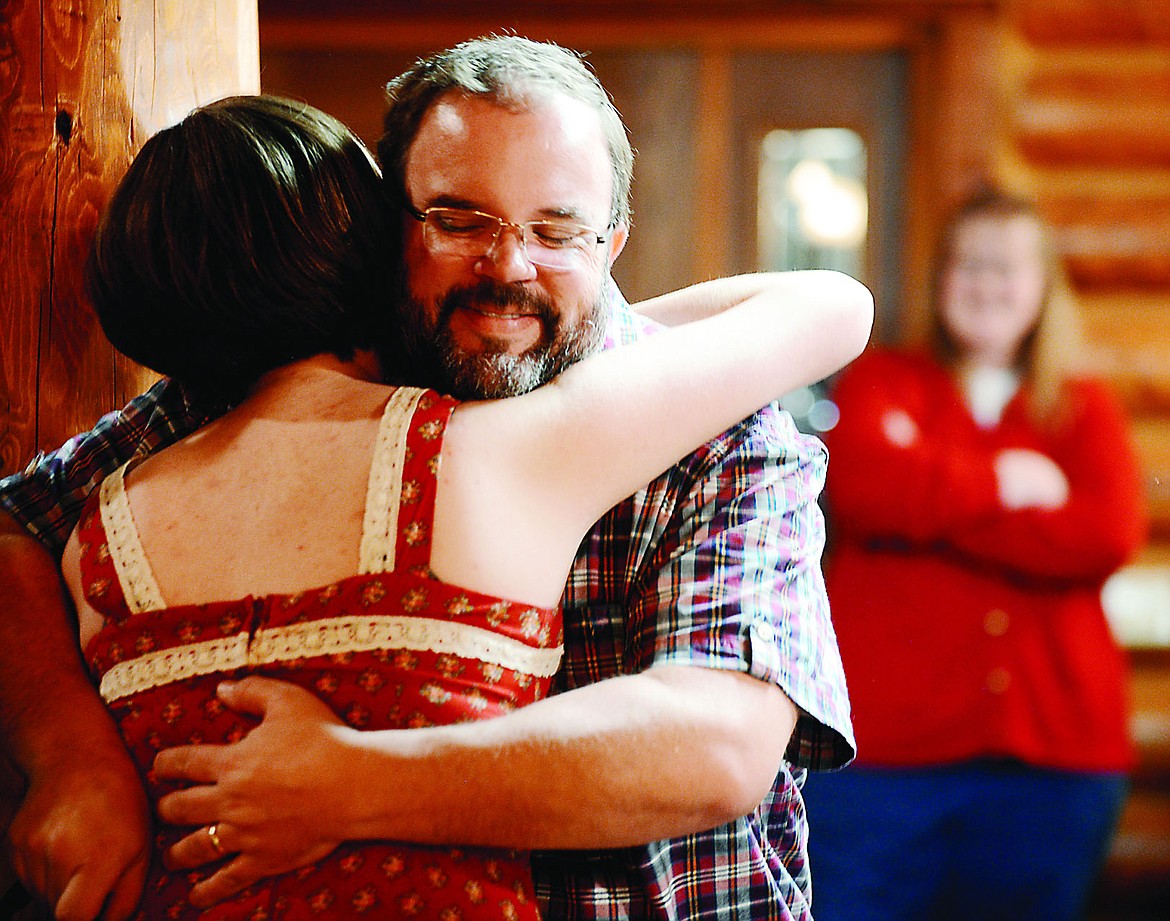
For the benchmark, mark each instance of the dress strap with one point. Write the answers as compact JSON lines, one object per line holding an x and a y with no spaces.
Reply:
{"x":420,"y":478}
{"x":384,"y":493}
{"x":134,"y":573}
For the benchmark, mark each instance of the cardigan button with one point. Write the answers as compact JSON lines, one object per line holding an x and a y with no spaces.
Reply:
{"x":998,"y":680}
{"x":995,"y":622}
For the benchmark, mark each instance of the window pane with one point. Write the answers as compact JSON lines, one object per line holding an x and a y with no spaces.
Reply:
{"x":812,"y":214}
{"x":812,"y":203}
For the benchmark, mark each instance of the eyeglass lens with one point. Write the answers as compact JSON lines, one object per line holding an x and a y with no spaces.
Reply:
{"x":555,"y":244}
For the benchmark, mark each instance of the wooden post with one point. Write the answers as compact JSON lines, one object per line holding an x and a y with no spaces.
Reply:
{"x":82,"y":85}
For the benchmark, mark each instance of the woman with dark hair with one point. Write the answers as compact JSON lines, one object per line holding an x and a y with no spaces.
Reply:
{"x":982,"y":492}
{"x":396,"y":552}
{"x":249,"y":236}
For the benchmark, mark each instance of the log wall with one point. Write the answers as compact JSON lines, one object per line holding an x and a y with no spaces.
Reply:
{"x":1086,"y":128}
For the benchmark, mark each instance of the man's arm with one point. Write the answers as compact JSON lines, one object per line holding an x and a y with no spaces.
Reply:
{"x":672,"y":749}
{"x":80,"y":837}
{"x":668,"y":752}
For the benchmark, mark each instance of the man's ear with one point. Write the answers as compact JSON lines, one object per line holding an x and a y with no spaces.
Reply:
{"x":617,"y":241}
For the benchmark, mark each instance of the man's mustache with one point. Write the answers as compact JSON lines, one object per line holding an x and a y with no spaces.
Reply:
{"x":508,"y":299}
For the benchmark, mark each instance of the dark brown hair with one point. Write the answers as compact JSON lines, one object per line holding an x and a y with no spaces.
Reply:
{"x":250,"y":235}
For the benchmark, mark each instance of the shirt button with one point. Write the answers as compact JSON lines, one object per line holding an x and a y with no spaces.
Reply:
{"x":998,"y":680}
{"x":995,"y":622}
{"x":764,"y":631}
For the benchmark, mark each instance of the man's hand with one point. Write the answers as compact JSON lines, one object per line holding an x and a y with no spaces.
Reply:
{"x":81,"y":837}
{"x":670,"y":751}
{"x":269,"y":811}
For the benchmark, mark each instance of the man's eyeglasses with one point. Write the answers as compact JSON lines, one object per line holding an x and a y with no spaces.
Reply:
{"x":554,"y":244}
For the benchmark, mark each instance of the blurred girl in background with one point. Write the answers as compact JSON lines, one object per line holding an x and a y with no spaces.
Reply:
{"x":981,"y":492}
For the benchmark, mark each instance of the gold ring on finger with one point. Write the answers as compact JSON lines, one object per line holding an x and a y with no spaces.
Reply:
{"x":213,"y":834}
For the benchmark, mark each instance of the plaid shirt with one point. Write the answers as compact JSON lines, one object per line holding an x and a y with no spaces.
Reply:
{"x":714,"y":564}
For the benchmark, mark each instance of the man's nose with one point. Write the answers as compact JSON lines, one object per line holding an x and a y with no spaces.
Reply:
{"x":507,"y":260}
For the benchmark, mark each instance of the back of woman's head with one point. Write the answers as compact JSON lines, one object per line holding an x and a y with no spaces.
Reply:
{"x":247,"y":236}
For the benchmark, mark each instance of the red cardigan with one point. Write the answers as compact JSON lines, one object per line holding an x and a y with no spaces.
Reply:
{"x":968,"y":630}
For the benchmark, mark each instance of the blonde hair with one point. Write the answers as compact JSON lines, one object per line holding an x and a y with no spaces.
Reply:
{"x":1051,"y":353}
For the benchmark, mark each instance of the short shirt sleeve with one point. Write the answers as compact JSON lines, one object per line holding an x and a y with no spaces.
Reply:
{"x":48,"y":495}
{"x":717,"y":564}
{"x":740,"y":585}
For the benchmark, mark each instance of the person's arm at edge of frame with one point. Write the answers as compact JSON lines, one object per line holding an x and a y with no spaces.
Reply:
{"x":58,"y":732}
{"x":85,"y":817}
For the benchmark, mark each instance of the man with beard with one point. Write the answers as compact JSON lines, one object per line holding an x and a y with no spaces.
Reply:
{"x":701,"y":675}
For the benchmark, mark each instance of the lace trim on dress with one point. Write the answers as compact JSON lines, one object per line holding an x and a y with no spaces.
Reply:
{"x":384,"y":493}
{"x":327,"y":637}
{"x":137,"y":578}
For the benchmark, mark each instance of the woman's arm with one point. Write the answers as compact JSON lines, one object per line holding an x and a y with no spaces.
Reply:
{"x":894,"y":407}
{"x":562,"y":455}
{"x":632,"y":412}
{"x":709,"y":298}
{"x":1103,"y":523}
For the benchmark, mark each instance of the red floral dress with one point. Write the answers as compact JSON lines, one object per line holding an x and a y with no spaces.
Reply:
{"x":389,"y":648}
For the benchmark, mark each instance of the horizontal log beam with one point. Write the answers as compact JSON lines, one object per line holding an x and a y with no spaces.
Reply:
{"x":1101,"y":22}
{"x":1100,"y":79}
{"x":434,"y":10}
{"x":1112,"y":241}
{"x":1101,"y":132}
{"x":632,"y":29}
{"x":1152,"y":440}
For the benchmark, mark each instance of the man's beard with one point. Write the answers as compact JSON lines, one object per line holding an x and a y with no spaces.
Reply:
{"x":425,"y":352}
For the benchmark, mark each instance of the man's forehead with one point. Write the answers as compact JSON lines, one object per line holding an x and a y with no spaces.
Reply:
{"x":462,"y":116}
{"x":551,"y":152}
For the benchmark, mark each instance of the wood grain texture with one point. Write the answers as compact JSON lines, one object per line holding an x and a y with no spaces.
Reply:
{"x":608,"y":9}
{"x":81,"y":86}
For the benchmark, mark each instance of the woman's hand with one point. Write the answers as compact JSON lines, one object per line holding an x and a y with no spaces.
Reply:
{"x":275,"y":798}
{"x":1029,"y":479}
